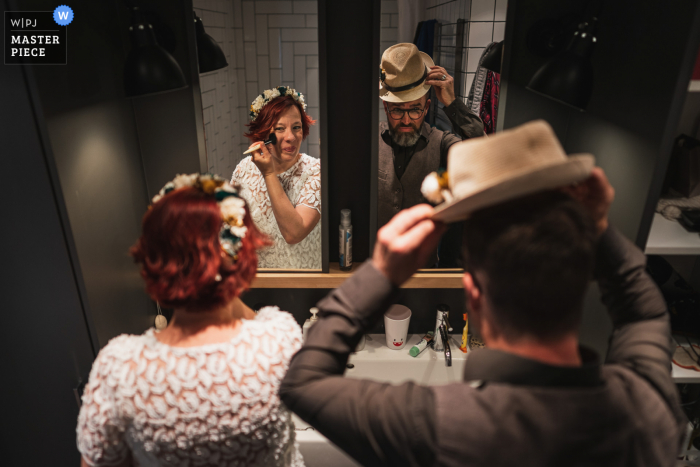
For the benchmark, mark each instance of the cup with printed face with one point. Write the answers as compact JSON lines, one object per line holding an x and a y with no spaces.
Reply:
{"x":396,"y":321}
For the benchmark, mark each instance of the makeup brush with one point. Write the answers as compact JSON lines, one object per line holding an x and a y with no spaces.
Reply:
{"x":271,"y":140}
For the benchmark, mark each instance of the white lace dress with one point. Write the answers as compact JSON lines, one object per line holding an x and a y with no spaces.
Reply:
{"x":302,"y":183}
{"x":212,"y":405}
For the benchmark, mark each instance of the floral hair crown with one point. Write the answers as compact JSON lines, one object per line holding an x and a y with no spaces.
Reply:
{"x":231,"y":204}
{"x":263,"y":99}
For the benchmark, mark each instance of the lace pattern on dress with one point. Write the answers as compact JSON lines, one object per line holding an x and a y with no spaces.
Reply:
{"x":302,"y":184}
{"x":213,"y":405}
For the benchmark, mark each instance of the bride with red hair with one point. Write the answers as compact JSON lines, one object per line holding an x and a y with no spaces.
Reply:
{"x":282,"y":185}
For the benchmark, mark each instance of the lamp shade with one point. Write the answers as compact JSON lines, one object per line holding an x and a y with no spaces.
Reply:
{"x":568,"y":77}
{"x":149,"y":68}
{"x":209,"y":53}
{"x":493,"y":58}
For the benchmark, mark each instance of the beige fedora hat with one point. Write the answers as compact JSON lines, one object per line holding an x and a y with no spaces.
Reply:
{"x":403,"y":74}
{"x":513,"y":163}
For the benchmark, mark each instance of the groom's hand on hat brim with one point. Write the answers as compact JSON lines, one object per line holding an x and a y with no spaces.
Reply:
{"x":596,"y":194}
{"x":444,"y":90}
{"x":405,"y":243}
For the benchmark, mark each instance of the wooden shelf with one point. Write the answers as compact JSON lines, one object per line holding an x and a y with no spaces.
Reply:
{"x":670,"y":238}
{"x":335,"y":277}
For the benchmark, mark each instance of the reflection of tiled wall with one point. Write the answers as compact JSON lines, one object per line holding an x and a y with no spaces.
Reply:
{"x":486,"y":22}
{"x":388,"y":35}
{"x":267,"y":43}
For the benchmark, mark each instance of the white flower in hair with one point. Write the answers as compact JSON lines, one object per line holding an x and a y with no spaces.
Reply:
{"x":233,"y":207}
{"x":435,"y":188}
{"x":239,"y":231}
{"x":183,"y":180}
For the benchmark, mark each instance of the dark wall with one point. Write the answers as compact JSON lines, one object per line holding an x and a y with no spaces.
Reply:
{"x":642,"y":65}
{"x":113,"y":154}
{"x":44,"y":338}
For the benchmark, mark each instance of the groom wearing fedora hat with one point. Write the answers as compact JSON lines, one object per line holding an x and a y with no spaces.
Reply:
{"x":409,"y":148}
{"x":535,"y":234}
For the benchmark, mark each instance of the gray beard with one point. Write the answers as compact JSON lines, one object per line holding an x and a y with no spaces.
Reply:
{"x":404,"y":139}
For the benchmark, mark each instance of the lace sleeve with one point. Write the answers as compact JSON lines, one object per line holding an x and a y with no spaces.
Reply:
{"x":99,"y":432}
{"x":286,"y":331}
{"x":310,"y":195}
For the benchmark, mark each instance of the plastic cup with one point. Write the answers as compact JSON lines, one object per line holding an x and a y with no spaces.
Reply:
{"x":396,"y":321}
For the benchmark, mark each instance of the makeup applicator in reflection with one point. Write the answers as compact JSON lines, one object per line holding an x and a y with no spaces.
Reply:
{"x":271,"y":140}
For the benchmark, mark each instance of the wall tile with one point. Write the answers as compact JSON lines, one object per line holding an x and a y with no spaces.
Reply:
{"x":287,"y":21}
{"x":273,"y":6}
{"x":261,"y":33}
{"x":252,"y":91}
{"x":312,"y":61}
{"x":300,"y":74}
{"x":251,"y":62}
{"x":306,"y":7}
{"x":480,"y":34}
{"x":395,"y":21}
{"x":237,"y":14}
{"x":306,"y":48}
{"x":242,"y":95}
{"x":482,"y":10}
{"x":312,"y":87}
{"x":473,"y":59}
{"x":499,"y":31}
{"x":314,"y":130}
{"x":314,"y":151}
{"x":311,"y":21}
{"x":208,"y":99}
{"x":306,"y":34}
{"x":275,"y":77}
{"x":385,"y":21}
{"x":249,"y":21}
{"x":288,"y":61}
{"x":240,"y":48}
{"x":263,"y":72}
{"x":390,"y":6}
{"x":501,"y":6}
{"x":388,"y":35}
{"x":275,"y":48}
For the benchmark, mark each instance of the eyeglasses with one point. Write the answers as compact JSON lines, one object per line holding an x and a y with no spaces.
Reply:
{"x":414,"y":114}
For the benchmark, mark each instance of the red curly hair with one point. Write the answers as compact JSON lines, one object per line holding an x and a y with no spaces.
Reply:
{"x":180,"y":253}
{"x":261,"y":127}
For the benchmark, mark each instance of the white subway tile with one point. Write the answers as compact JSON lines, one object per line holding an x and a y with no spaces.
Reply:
{"x":499,"y":31}
{"x":275,"y":48}
{"x":220,"y":20}
{"x":314,"y":150}
{"x":501,"y":7}
{"x":208,"y":98}
{"x":263,"y":72}
{"x":251,"y":62}
{"x":240,"y":83}
{"x":252,"y":90}
{"x":312,"y":61}
{"x":287,"y":21}
{"x":312,"y":86}
{"x":315,"y":130}
{"x":388,"y":35}
{"x":306,"y":7}
{"x":237,"y":14}
{"x":300,"y":74}
{"x":273,"y":7}
{"x":473,"y":59}
{"x":306,"y":48}
{"x":390,"y":6}
{"x":311,"y":21}
{"x":261,"y":33}
{"x":385,"y":21}
{"x":287,"y":61}
{"x":304,"y":148}
{"x":208,"y":18}
{"x":482,"y":10}
{"x":395,"y":21}
{"x":249,"y":21}
{"x":275,"y":77}
{"x":305,"y":34}
{"x":480,"y":34}
{"x":240,"y":48}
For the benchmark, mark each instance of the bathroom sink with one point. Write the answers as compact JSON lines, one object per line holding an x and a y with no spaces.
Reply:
{"x":379,"y":363}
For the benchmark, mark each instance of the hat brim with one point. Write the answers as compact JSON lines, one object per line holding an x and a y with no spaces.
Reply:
{"x":412,"y":94}
{"x":576,"y":168}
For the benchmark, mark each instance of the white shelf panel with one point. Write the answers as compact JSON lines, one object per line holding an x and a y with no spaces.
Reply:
{"x":681,"y":375}
{"x":670,"y":238}
{"x":694,"y":85}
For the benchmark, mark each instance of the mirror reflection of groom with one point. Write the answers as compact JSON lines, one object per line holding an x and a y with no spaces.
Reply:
{"x":409,"y":148}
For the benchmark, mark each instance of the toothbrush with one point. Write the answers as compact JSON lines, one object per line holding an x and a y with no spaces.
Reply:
{"x":271,"y":140}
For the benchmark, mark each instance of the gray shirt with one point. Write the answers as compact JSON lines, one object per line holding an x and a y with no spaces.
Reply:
{"x":508,"y":410}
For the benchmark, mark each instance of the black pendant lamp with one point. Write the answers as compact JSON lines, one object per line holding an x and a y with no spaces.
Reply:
{"x":492,"y":59}
{"x":209,"y":54}
{"x":568,"y":77}
{"x":149,"y":68}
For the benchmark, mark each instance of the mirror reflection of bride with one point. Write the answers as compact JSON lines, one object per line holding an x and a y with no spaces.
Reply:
{"x":281,"y":185}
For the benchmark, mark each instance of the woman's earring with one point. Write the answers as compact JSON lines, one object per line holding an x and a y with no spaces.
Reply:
{"x":161,"y":321}
{"x":217,"y":278}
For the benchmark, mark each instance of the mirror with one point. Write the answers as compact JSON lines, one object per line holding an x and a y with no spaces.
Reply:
{"x":416,"y":126}
{"x":273,"y":46}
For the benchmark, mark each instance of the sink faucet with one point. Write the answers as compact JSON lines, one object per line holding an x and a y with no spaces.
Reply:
{"x":442,"y":326}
